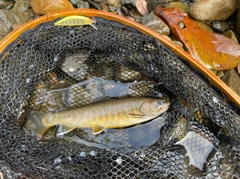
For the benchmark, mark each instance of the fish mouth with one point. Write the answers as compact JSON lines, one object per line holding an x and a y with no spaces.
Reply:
{"x":164,"y":107}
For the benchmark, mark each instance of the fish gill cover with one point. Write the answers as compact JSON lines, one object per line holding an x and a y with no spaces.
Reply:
{"x":196,"y":107}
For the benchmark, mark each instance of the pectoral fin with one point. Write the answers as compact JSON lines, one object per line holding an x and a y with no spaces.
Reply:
{"x":137,"y":114}
{"x":97,"y":129}
{"x":63,"y":129}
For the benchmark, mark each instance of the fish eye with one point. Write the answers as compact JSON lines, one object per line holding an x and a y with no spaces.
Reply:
{"x":159,"y":102}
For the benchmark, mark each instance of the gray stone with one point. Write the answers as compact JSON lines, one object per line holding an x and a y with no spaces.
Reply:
{"x":212,"y":9}
{"x":220,"y":26}
{"x":10,"y":20}
{"x":156,"y":24}
{"x":112,"y":2}
{"x":21,"y":5}
{"x":5,"y":4}
{"x":230,"y":34}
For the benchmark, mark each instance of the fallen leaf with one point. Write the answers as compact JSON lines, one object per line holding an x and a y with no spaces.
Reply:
{"x":45,"y":6}
{"x":141,"y":6}
{"x":213,"y":50}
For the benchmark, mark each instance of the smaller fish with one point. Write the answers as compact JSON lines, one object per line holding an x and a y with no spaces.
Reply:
{"x":76,"y":21}
{"x":110,"y":114}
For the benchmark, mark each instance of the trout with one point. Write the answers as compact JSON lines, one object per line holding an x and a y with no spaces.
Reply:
{"x":116,"y":113}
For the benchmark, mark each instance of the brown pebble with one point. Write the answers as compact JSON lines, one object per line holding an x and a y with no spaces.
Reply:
{"x":230,"y":34}
{"x":232,"y":79}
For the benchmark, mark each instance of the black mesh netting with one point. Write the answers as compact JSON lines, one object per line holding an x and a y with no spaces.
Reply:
{"x":111,"y":52}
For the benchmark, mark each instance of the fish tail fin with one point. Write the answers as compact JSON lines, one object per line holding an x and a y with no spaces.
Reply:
{"x":34,"y":125}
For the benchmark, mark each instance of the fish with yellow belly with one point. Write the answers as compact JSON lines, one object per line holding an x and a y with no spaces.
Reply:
{"x":116,"y":113}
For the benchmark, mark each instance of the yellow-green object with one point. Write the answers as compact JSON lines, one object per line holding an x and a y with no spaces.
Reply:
{"x":110,"y":114}
{"x":74,"y":21}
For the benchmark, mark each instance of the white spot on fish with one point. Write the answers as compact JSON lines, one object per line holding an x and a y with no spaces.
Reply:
{"x":28,"y":80}
{"x":57,"y":160}
{"x":215,"y":100}
{"x":82,"y":154}
{"x":197,"y":147}
{"x":119,"y":160}
{"x":92,"y":153}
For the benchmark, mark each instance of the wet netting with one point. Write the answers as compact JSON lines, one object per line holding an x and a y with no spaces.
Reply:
{"x":50,"y":68}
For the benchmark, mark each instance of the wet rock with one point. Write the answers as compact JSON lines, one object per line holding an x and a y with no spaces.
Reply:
{"x":125,"y":11}
{"x":167,"y":37}
{"x":155,"y":23}
{"x":5,"y":4}
{"x":112,"y":2}
{"x":212,"y":9}
{"x":83,"y":4}
{"x":178,"y":43}
{"x":136,"y":16}
{"x":9,"y":19}
{"x":151,"y":4}
{"x":45,"y":6}
{"x":179,"y":5}
{"x":218,"y":73}
{"x":80,"y":3}
{"x":220,"y":26}
{"x":128,"y":2}
{"x":95,"y":5}
{"x":21,"y":5}
{"x":230,"y":34}
{"x":232,"y":79}
{"x":114,"y":6}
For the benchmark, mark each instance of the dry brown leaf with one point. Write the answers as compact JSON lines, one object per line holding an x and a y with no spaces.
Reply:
{"x":214,"y":50}
{"x":45,"y":6}
{"x":141,"y":6}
